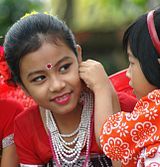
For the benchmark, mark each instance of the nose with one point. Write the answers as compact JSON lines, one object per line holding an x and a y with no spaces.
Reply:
{"x":56,"y":84}
{"x":128,"y":73}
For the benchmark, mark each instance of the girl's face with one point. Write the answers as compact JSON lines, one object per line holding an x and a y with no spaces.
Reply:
{"x":141,"y":87}
{"x":51,"y":76}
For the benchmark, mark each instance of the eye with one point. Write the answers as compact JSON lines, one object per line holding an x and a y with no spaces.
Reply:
{"x":38,"y":79}
{"x":64,"y":68}
{"x":131,"y":63}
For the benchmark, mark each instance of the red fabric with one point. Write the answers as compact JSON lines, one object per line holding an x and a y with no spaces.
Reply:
{"x":124,"y":91}
{"x":31,"y":138}
{"x":12,"y":100}
{"x":121,"y":82}
{"x":16,"y":94}
{"x":8,"y":110}
{"x":11,"y":91}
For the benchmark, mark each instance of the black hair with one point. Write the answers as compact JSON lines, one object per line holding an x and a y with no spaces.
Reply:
{"x":138,"y":38}
{"x":28,"y":34}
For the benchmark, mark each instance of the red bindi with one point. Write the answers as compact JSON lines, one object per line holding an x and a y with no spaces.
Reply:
{"x":49,"y":66}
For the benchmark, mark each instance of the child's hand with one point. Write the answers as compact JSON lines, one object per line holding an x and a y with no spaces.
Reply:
{"x":93,"y":74}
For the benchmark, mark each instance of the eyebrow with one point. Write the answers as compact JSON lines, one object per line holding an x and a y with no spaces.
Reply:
{"x":40,"y":71}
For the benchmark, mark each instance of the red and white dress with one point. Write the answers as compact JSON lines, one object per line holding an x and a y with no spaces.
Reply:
{"x":134,"y":138}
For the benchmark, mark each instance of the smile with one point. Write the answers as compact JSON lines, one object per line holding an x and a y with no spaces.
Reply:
{"x":62,"y":100}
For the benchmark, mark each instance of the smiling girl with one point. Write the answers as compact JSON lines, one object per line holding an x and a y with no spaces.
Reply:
{"x":46,"y":61}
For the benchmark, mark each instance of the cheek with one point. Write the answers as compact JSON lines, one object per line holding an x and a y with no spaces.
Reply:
{"x":74,"y":74}
{"x":133,"y":73}
{"x":37,"y":92}
{"x":74,"y":80}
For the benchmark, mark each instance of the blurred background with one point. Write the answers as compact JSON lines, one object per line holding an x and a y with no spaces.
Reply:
{"x":97,"y":24}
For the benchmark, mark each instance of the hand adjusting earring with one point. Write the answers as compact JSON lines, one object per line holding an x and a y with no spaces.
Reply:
{"x":49,"y":66}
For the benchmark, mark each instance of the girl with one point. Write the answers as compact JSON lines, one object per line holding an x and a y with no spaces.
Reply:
{"x":46,"y":61}
{"x":133,"y":138}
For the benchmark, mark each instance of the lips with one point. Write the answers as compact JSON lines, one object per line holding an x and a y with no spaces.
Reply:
{"x":62,"y":100}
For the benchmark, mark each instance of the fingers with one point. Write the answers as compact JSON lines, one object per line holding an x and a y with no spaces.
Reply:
{"x":88,"y":65}
{"x":92,"y":73}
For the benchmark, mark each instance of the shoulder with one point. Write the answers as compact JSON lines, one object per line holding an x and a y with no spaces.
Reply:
{"x":150,"y":101}
{"x":8,"y":104}
{"x":27,"y":116}
{"x":153,"y":96}
{"x":25,"y":125}
{"x":9,"y":109}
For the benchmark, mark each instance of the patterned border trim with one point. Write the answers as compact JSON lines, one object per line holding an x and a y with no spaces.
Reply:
{"x":7,"y":141}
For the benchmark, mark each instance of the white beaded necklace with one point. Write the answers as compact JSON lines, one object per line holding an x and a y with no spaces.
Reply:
{"x":71,"y":134}
{"x":64,"y":153}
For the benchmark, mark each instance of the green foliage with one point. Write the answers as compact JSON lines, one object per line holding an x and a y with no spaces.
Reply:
{"x":106,"y":14}
{"x":95,"y":15}
{"x":12,"y":10}
{"x":141,"y":3}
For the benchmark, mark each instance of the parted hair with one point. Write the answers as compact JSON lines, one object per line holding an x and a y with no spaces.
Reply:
{"x":28,"y":34}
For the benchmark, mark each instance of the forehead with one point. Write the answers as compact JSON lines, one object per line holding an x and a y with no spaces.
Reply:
{"x":47,"y":53}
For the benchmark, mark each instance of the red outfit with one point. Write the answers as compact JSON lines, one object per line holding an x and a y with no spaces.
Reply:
{"x":8,"y":110}
{"x":12,"y":102}
{"x":32,"y":141}
{"x":133,"y":137}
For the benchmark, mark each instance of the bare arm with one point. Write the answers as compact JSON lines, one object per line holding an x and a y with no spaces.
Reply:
{"x":9,"y":157}
{"x":106,"y":100}
{"x":106,"y":104}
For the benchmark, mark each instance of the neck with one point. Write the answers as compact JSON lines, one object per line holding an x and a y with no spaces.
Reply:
{"x":69,"y":122}
{"x":66,"y":123}
{"x":68,"y":150}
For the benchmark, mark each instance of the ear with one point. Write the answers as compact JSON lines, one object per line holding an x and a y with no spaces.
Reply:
{"x":79,"y":53}
{"x":159,"y":60}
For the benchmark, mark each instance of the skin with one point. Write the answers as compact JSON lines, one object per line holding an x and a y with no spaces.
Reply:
{"x":9,"y":157}
{"x":141,"y":87}
{"x":103,"y":91}
{"x":46,"y":85}
{"x":104,"y":95}
{"x":43,"y":85}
